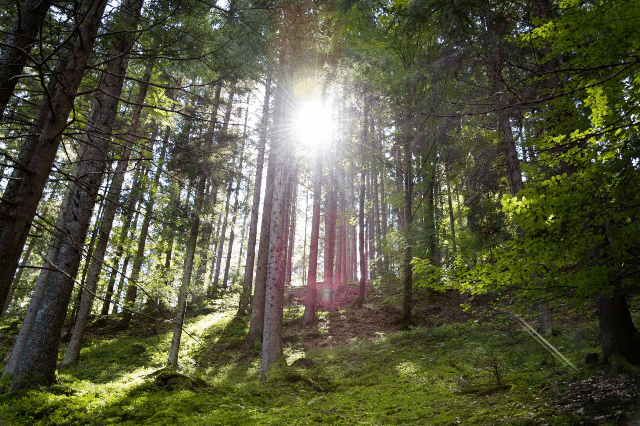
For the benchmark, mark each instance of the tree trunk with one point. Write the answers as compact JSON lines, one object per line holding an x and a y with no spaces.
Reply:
{"x":24,"y":190}
{"x":363,"y":258}
{"x":256,"y":325}
{"x":127,"y":217}
{"x":274,"y":286}
{"x":309,"y":316}
{"x":91,"y":284}
{"x":330,"y":229}
{"x":223,"y":232}
{"x":234,"y":217}
{"x":186,"y":276}
{"x":17,"y":45}
{"x":618,"y":335}
{"x":292,"y":224}
{"x":37,"y":364}
{"x":253,"y":227}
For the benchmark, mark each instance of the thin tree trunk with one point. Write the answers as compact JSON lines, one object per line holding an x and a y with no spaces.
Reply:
{"x":186,"y":276}
{"x":234,"y":217}
{"x":330,"y":231}
{"x":292,"y":226}
{"x":363,"y":259}
{"x":223,"y":232}
{"x":253,"y":227}
{"x":131,"y":207}
{"x":16,"y":279}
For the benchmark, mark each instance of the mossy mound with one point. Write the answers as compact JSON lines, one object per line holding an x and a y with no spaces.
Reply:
{"x":171,"y":380}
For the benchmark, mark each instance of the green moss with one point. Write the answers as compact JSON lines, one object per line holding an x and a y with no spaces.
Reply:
{"x":436,"y":376}
{"x":620,"y":365}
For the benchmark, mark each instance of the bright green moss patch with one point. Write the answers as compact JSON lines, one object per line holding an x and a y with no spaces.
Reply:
{"x":480,"y":374}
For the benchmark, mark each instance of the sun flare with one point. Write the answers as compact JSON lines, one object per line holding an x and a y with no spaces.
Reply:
{"x":314,"y":124}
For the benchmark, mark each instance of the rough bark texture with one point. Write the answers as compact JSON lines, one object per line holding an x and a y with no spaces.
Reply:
{"x":274,"y":286}
{"x":37,"y":155}
{"x":91,"y":284}
{"x":17,"y":45}
{"x":36,"y":297}
{"x":618,"y":335}
{"x":37,"y":363}
{"x":256,"y":325}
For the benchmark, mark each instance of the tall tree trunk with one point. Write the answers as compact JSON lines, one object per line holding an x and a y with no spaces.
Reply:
{"x":38,"y":292}
{"x":223,"y":232}
{"x":204,"y":241}
{"x":253,"y":226}
{"x":234,"y":217}
{"x":37,"y":364}
{"x":407,"y":301}
{"x":452,"y":221}
{"x":292,"y":224}
{"x":309,"y":316}
{"x":24,"y":190}
{"x":127,"y":216}
{"x":223,"y":137}
{"x":186,"y":276}
{"x":330,"y":229}
{"x":363,"y":259}
{"x":91,"y":284}
{"x":256,"y":326}
{"x":274,"y":286}
{"x":17,"y":45}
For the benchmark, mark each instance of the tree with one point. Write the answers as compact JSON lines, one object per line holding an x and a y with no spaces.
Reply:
{"x":17,"y":45}
{"x":253,"y":224}
{"x":21,"y":197}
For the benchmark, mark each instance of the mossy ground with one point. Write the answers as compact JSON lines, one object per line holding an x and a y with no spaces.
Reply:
{"x":480,"y":372}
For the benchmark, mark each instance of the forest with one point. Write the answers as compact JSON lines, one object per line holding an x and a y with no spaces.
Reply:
{"x":319,"y":211}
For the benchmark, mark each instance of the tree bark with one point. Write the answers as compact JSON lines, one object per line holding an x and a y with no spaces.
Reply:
{"x":253,"y":227}
{"x":17,"y":45}
{"x":91,"y":284}
{"x":309,"y":316}
{"x":618,"y":335}
{"x":234,"y":217}
{"x":24,"y":190}
{"x":256,"y":326}
{"x":186,"y":276}
{"x":127,"y":217}
{"x":37,"y":363}
{"x":274,"y":285}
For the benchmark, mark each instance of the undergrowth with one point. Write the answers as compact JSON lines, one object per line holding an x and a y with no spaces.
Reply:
{"x":480,"y":373}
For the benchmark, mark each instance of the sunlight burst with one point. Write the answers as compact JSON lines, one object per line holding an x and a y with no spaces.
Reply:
{"x":314,"y":124}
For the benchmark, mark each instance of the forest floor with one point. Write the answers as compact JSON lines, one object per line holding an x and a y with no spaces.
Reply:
{"x":475,"y":365}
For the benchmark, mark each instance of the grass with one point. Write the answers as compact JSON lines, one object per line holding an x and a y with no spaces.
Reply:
{"x":466,"y":373}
